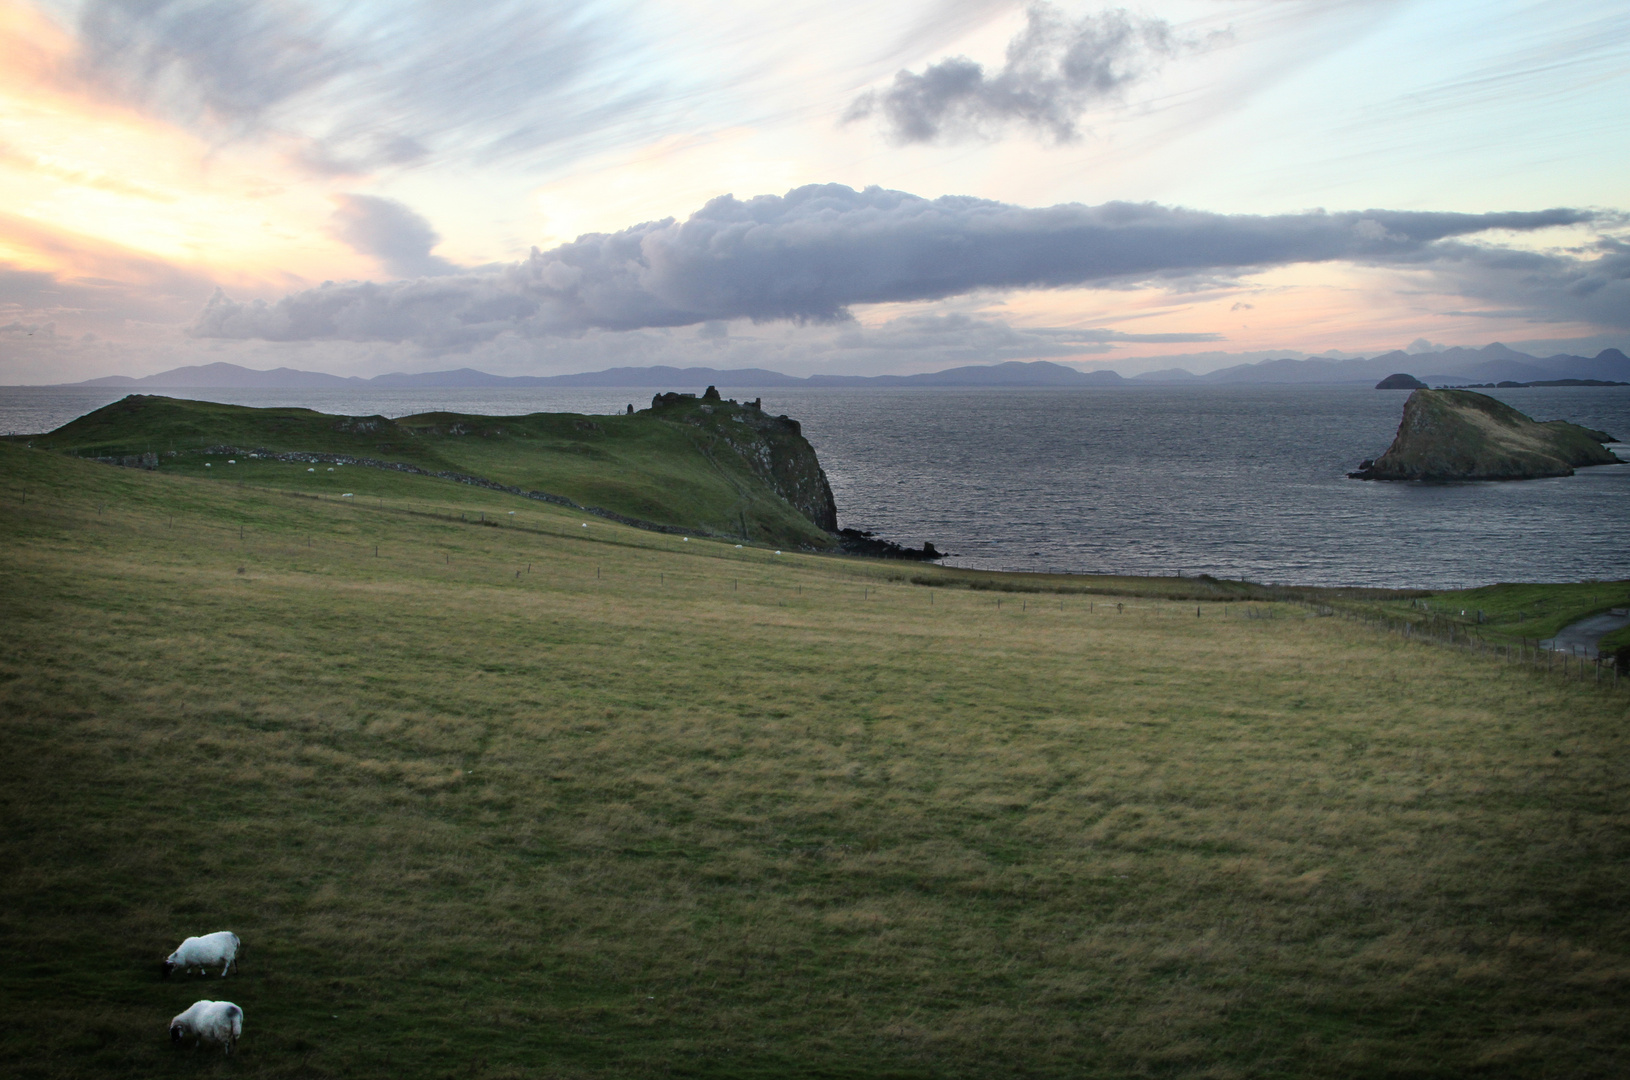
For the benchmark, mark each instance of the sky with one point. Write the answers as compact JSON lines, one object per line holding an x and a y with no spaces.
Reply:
{"x":811,"y":187}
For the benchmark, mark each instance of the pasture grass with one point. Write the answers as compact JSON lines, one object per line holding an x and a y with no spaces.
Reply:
{"x":1510,"y":611}
{"x":665,"y":808}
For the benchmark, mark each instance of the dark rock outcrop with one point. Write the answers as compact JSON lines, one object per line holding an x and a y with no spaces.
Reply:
{"x":1461,"y":435}
{"x":1400,"y":381}
{"x":857,"y":542}
{"x":774,"y":448}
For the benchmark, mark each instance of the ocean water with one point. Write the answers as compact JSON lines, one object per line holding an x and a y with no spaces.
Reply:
{"x":1232,"y":481}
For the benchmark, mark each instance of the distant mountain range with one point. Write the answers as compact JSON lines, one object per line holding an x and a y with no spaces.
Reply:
{"x":1490,"y":364}
{"x":231,"y":376}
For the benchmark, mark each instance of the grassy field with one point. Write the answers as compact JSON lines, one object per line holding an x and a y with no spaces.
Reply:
{"x":531,"y":799}
{"x":1504,"y":613}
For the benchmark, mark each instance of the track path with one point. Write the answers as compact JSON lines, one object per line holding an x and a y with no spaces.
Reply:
{"x":1583,"y":635}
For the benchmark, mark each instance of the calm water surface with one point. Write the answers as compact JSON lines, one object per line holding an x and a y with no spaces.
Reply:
{"x":1235,"y":482}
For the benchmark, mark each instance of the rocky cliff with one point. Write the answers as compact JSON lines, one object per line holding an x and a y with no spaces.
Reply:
{"x":773,"y":447}
{"x":1462,"y":435}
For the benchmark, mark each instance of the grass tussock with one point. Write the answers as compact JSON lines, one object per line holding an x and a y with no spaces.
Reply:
{"x":548,"y":801}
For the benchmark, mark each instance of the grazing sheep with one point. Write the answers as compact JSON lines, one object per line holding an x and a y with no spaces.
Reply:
{"x":209,"y":1022}
{"x":220,"y":947}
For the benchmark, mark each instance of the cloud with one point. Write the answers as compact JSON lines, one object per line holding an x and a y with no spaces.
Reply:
{"x":392,"y":233}
{"x":810,"y":255}
{"x":1055,"y":70}
{"x":958,"y":335}
{"x":1544,"y":287}
{"x":355,"y":88}
{"x":84,"y":282}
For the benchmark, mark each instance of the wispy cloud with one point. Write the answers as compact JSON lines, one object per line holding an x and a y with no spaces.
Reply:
{"x":810,"y":255}
{"x":91,"y":281}
{"x":1056,"y":68}
{"x":363,"y":87}
{"x":89,"y":178}
{"x":971,"y":337}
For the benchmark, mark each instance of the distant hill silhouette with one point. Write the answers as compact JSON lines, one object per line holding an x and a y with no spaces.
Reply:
{"x":217,"y":376}
{"x":1491,"y":364}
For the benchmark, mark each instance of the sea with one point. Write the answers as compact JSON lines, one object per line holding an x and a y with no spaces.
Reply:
{"x":1236,"y":482}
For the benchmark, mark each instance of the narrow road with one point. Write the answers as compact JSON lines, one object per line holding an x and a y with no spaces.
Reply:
{"x":1583,"y":635}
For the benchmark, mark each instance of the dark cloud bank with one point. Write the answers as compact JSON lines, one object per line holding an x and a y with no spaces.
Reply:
{"x":810,"y":255}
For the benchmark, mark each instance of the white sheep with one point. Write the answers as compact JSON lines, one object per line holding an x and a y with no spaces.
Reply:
{"x":220,"y":947}
{"x":209,"y":1022}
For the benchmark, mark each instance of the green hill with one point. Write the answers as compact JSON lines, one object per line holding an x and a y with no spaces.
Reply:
{"x":1462,"y":435}
{"x":707,"y":466}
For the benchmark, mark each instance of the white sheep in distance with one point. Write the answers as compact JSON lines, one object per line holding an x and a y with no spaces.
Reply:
{"x":204,"y":952}
{"x":209,"y":1022}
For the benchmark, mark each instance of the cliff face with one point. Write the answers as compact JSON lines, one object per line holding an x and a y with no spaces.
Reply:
{"x":1461,"y":435}
{"x":772,"y":447}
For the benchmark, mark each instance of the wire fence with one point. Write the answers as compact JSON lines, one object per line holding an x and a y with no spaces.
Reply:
{"x":1577,"y":664}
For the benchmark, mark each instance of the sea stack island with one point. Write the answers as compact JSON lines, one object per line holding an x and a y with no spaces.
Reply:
{"x":1462,"y":435}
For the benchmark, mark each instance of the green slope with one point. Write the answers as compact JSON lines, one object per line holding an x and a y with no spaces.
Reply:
{"x":712,"y":467}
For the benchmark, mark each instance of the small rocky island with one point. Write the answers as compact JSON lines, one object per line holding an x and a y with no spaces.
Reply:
{"x":1400,"y":381}
{"x":1462,"y":435}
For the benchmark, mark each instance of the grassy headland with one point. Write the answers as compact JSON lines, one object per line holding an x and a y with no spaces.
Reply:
{"x":706,"y":466}
{"x":536,"y":799}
